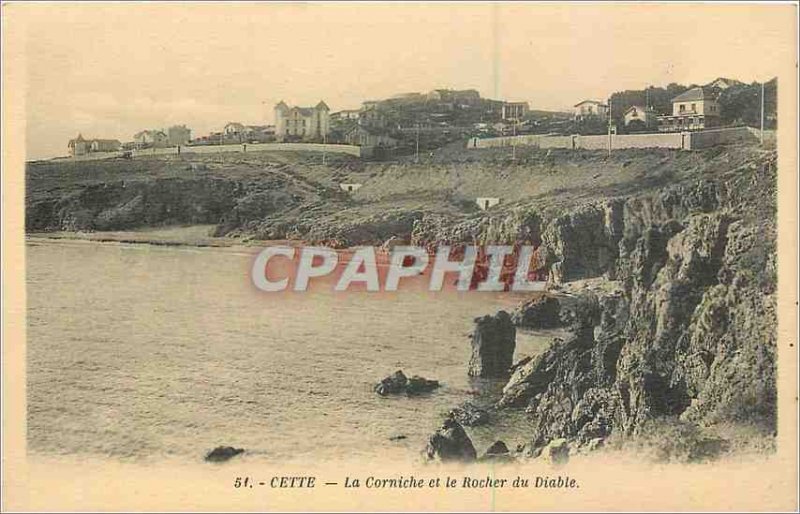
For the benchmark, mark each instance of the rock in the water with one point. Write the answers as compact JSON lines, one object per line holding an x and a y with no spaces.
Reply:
{"x":223,"y":453}
{"x":497,"y":452}
{"x":397,"y":383}
{"x":557,"y":452}
{"x":393,"y":384}
{"x":398,"y":437}
{"x":469,"y":415}
{"x":418,"y":385}
{"x":493,"y":344}
{"x":450,"y":443}
{"x":542,"y":312}
{"x":498,"y":448}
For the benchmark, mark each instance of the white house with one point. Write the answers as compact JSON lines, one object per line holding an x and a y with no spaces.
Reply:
{"x":151,"y":138}
{"x":589,"y":109}
{"x":695,"y":109}
{"x":641,"y":114}
{"x":81,"y":146}
{"x":723,"y":83}
{"x":304,"y":123}
{"x":233,"y":128}
{"x":515,"y":110}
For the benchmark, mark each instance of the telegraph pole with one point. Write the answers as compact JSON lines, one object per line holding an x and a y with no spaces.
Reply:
{"x":762,"y":114}
{"x":514,"y":140}
{"x":416,"y":154}
{"x":324,"y":147}
{"x":609,"y":126}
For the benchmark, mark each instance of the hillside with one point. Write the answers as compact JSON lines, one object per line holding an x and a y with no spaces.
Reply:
{"x":677,"y":345}
{"x":284,"y":195}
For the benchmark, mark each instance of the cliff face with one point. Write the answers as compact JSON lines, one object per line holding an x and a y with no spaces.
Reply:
{"x":691,"y":331}
{"x":688,"y":333}
{"x":123,"y":205}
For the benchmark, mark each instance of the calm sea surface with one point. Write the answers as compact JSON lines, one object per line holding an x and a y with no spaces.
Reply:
{"x":143,"y":353}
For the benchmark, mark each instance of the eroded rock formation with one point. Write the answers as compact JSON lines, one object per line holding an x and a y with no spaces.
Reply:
{"x":493,"y":344}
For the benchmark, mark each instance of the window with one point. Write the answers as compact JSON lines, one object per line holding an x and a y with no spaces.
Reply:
{"x":682,"y":108}
{"x":694,"y":107}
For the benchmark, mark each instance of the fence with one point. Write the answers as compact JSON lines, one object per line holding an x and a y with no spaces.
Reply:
{"x":240,"y":148}
{"x":708,"y":138}
{"x":675,"y":140}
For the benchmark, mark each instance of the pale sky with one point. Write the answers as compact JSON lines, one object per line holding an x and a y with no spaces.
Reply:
{"x":110,"y":70}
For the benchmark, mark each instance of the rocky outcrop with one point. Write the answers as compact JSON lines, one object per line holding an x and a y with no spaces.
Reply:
{"x":419,"y":385}
{"x":541,"y":312}
{"x":398,"y":383}
{"x":497,"y":452}
{"x":393,"y":384}
{"x":557,"y":452}
{"x":690,"y":335}
{"x":450,"y":443}
{"x":493,"y":344}
{"x":223,"y":453}
{"x":122,"y":205}
{"x":470,"y":415}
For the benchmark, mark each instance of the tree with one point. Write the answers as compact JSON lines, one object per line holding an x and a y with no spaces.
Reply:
{"x":741,"y":104}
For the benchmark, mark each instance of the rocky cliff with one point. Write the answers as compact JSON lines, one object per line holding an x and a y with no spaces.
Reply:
{"x":690,"y":331}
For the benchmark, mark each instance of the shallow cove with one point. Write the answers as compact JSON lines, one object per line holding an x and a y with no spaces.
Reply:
{"x":148,"y":352}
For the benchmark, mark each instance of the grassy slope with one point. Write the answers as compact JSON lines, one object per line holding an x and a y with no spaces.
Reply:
{"x":446,"y":183}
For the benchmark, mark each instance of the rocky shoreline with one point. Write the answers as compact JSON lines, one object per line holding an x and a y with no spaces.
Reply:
{"x":679,"y":340}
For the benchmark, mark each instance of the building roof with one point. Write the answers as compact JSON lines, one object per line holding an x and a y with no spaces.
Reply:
{"x":728,"y":81}
{"x":304,"y":111}
{"x":78,"y":139}
{"x":696,"y":93}
{"x":638,"y":107}
{"x":595,"y":102}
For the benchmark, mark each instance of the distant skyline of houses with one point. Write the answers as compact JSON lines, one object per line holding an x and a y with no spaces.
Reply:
{"x":694,"y":109}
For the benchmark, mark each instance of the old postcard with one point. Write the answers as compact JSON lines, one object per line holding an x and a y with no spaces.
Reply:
{"x":425,"y":256}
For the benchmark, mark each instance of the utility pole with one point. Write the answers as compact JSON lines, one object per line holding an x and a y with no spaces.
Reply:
{"x":416,"y":155}
{"x":514,"y":140}
{"x":609,"y":126}
{"x":762,"y":114}
{"x":324,"y":147}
